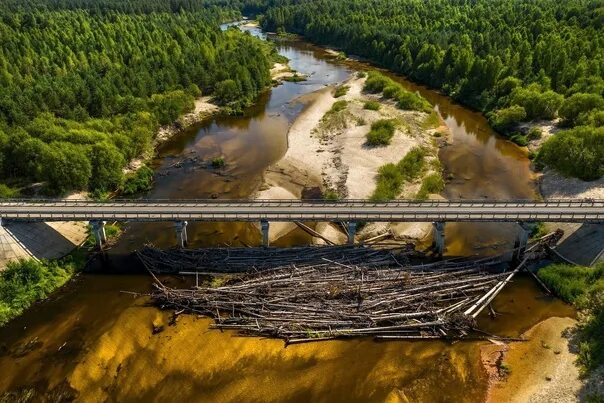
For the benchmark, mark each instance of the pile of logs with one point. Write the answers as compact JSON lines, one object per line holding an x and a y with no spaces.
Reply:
{"x":233,"y":260}
{"x":322,"y":293}
{"x":335,"y":300}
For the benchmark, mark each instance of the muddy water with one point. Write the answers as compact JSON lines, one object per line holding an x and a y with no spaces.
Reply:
{"x":93,"y":342}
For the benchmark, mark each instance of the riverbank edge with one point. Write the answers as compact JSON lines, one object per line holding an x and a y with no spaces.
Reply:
{"x":550,"y":184}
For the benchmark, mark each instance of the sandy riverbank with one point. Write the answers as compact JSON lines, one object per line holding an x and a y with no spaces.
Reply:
{"x":328,"y":151}
{"x":541,"y":369}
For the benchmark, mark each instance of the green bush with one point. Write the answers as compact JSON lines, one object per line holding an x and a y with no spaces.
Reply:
{"x":519,"y":139}
{"x":410,"y":101}
{"x":412,"y":164}
{"x":218,"y":162}
{"x":433,"y":183}
{"x":376,"y":82}
{"x":391,"y":91}
{"x":506,"y":119}
{"x":381,"y":133}
{"x":338,"y":106}
{"x":579,"y":105}
{"x":361,"y":74}
{"x":341,"y":91}
{"x":7,"y":192}
{"x":24,"y":282}
{"x":389,"y":183}
{"x":537,"y":104}
{"x":137,"y":182}
{"x":578,"y":152}
{"x":372,"y":105}
{"x":534,"y":133}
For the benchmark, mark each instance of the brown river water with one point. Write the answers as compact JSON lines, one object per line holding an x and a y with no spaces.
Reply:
{"x":92,"y":342}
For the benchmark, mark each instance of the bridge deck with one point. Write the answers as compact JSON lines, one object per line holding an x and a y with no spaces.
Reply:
{"x":590,"y":211}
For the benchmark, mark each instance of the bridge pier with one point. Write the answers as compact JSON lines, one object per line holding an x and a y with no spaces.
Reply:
{"x":352,"y":230}
{"x":181,"y":233}
{"x":521,"y":241}
{"x":264,"y":226}
{"x":438,"y":237}
{"x":98,"y":230}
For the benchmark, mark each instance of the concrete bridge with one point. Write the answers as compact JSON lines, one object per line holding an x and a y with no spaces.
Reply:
{"x":264,"y":211}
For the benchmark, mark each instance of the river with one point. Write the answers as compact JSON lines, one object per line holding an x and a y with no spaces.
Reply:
{"x":94,"y":342}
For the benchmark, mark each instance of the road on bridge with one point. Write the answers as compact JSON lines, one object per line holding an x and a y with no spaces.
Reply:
{"x":590,"y":211}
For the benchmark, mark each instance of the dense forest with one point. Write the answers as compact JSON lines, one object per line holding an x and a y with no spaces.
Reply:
{"x":514,"y":60}
{"x":84,"y":87}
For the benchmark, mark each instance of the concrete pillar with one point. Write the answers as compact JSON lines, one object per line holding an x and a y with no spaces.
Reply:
{"x":521,"y":241}
{"x":264,"y":225}
{"x":352,"y":230}
{"x":438,"y":236}
{"x":181,"y":233}
{"x":98,"y":231}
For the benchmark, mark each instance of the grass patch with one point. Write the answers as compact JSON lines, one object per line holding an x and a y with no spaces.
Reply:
{"x":433,"y":183}
{"x":361,"y":74}
{"x":432,"y":121}
{"x":331,"y":194}
{"x":539,"y":230}
{"x":413,"y":163}
{"x":378,"y":83}
{"x":372,"y":106}
{"x":137,"y":182}
{"x":519,"y":139}
{"x":295,"y":78}
{"x":27,"y":281}
{"x":381,"y":133}
{"x":334,"y":119}
{"x":392,"y":176}
{"x":584,"y":288}
{"x":341,"y":91}
{"x":389,"y":183}
{"x":338,"y":106}
{"x":218,"y":162}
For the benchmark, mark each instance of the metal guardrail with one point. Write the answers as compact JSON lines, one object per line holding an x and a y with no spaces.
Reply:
{"x":296,"y":210}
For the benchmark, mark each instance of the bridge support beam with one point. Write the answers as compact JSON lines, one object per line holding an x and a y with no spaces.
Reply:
{"x":521,"y":241}
{"x":264,"y":226}
{"x":98,"y":230}
{"x":352,"y":231}
{"x":438,"y":237}
{"x":181,"y":233}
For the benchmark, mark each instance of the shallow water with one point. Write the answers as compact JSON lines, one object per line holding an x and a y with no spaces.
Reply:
{"x":92,"y":341}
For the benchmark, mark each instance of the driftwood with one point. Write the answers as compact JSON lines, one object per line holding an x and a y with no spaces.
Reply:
{"x":321,"y":293}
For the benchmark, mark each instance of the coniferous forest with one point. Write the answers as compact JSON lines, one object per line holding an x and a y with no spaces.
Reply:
{"x":514,"y":60}
{"x":85,"y":84}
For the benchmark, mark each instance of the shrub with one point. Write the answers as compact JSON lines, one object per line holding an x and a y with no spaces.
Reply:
{"x":376,"y":82}
{"x":331,"y":195}
{"x":410,"y":101}
{"x":341,"y":91}
{"x":381,"y":133}
{"x":534,"y":133}
{"x":338,"y":106}
{"x":579,"y":105}
{"x":137,"y":182}
{"x":26,"y":281}
{"x":218,"y":162}
{"x":433,"y":183}
{"x":506,"y":119}
{"x":361,"y":74}
{"x":7,"y":192}
{"x":372,"y":105}
{"x":537,"y":104}
{"x":578,"y":152}
{"x":391,"y":91}
{"x":389,"y":183}
{"x":519,"y":139}
{"x":412,"y":164}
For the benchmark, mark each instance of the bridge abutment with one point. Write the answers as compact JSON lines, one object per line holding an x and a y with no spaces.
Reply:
{"x":181,"y":233}
{"x":264,"y":227}
{"x":438,"y":236}
{"x":98,"y":231}
{"x":521,"y":241}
